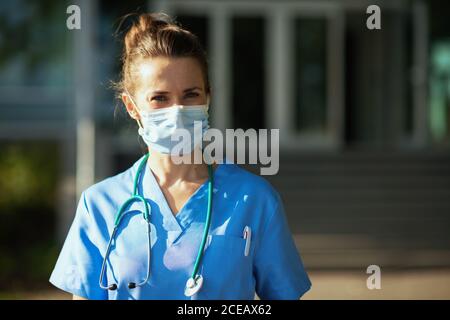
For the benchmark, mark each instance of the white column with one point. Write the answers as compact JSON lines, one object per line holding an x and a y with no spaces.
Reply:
{"x":278,"y":62}
{"x":220,"y":66}
{"x":84,"y":75}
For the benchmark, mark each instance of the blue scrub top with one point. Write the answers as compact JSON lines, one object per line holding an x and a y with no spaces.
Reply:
{"x":273,"y":268}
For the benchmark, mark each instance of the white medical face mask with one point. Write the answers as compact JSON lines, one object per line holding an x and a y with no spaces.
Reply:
{"x":174,"y":130}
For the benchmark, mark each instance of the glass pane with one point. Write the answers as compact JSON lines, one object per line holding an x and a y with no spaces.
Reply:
{"x":198,"y":25}
{"x":440,"y":92}
{"x":248,"y":74}
{"x":408,"y":113}
{"x":310,"y":81}
{"x":378,"y":81}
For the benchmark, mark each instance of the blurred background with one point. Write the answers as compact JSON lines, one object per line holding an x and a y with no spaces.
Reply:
{"x":364,"y":119}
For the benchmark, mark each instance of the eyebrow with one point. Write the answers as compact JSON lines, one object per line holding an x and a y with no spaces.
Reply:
{"x":191,"y":89}
{"x":185,"y":90}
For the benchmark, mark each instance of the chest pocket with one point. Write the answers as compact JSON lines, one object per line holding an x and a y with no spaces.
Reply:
{"x":226,"y":267}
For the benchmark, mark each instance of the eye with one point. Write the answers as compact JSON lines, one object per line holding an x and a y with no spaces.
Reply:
{"x":159,"y":98}
{"x":192,"y":95}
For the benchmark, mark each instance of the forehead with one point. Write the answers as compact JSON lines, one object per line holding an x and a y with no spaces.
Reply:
{"x":165,"y":73}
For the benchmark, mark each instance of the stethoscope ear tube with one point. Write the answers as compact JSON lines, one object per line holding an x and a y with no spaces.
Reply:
{"x":102,"y":273}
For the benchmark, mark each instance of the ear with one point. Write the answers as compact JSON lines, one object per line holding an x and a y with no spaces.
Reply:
{"x":129,"y":105}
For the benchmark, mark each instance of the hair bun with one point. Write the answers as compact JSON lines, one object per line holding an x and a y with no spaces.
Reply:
{"x":157,"y":35}
{"x":152,"y":22}
{"x":147,"y":24}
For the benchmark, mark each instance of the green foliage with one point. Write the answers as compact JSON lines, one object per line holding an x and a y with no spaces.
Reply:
{"x":28,"y":186}
{"x":28,"y":175}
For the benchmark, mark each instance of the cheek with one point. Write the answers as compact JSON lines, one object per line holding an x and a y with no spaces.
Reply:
{"x":140,"y":104}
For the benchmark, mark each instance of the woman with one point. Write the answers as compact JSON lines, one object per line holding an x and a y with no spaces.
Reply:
{"x":190,"y":231}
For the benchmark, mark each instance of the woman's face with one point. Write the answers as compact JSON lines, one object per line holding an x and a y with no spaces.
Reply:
{"x":163,"y":82}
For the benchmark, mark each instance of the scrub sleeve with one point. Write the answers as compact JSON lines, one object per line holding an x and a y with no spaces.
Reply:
{"x":77,"y":269}
{"x":278,"y":267}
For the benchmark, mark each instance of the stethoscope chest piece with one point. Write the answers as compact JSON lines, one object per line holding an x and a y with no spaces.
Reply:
{"x":193,"y":286}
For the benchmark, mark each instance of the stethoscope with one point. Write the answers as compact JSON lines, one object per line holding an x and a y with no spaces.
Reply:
{"x":195,"y":282}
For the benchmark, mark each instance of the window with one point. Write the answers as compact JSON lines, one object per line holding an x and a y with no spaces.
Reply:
{"x":310,"y":65}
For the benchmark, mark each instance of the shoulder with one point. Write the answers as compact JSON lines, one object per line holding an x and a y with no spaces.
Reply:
{"x":251,"y":185}
{"x":254,"y":199}
{"x":110,"y":184}
{"x":111,"y":188}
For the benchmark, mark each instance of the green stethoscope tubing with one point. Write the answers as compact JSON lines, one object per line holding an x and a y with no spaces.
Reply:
{"x":207,"y":223}
{"x":136,"y":197}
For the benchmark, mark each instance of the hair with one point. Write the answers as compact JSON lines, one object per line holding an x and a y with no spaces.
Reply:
{"x":157,"y":35}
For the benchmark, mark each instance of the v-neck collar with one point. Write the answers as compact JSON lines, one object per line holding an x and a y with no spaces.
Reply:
{"x":195,"y":205}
